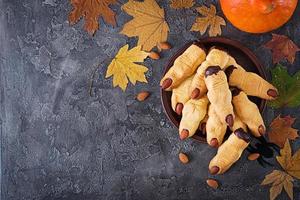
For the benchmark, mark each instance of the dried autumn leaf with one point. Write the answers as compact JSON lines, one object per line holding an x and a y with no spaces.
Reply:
{"x":124,"y":67}
{"x":91,"y":10}
{"x":282,"y":48}
{"x":270,"y":178}
{"x":275,"y":191}
{"x":210,"y":19}
{"x":291,"y":164}
{"x":180,"y":4}
{"x":288,"y":88}
{"x":279,"y":180}
{"x":285,"y":155}
{"x":281,"y":130}
{"x":294,"y":168}
{"x":288,"y":186}
{"x":148,"y":23}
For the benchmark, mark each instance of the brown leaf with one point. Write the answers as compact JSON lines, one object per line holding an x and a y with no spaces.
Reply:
{"x":91,"y":10}
{"x":210,"y":19}
{"x":281,"y":129}
{"x":279,"y":180}
{"x":282,"y":48}
{"x":291,"y":164}
{"x":148,"y":23}
{"x":180,"y":4}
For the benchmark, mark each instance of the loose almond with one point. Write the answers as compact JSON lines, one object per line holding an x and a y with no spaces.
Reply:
{"x":164,"y":46}
{"x":153,"y":55}
{"x":142,"y":96}
{"x":183,"y":158}
{"x":212,"y":183}
{"x":253,"y":156}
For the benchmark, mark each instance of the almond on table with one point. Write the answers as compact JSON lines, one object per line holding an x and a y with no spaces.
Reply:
{"x":164,"y":45}
{"x":142,"y":96}
{"x":183,"y":158}
{"x":153,"y":55}
{"x":212,"y":183}
{"x":253,"y":156}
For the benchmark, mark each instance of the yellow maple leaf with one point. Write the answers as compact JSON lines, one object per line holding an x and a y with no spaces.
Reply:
{"x":279,"y":180}
{"x":285,"y":155}
{"x":180,"y":4}
{"x":210,"y":19}
{"x":148,"y":23}
{"x":291,"y":164}
{"x":124,"y":67}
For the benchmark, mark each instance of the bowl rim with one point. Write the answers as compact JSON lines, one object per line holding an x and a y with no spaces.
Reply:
{"x":226,"y":41}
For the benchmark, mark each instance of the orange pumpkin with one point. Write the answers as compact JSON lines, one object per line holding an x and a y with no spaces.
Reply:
{"x":258,"y":16}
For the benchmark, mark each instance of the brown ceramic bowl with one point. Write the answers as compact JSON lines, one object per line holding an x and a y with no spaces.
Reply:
{"x":243,"y":56}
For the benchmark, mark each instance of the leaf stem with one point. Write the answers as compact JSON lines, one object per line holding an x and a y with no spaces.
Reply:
{"x":91,"y":80}
{"x":185,"y":18}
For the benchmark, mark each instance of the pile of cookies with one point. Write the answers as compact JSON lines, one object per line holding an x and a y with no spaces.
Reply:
{"x":210,"y":91}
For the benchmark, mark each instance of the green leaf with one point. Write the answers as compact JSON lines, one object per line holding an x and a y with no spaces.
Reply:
{"x":288,"y":87}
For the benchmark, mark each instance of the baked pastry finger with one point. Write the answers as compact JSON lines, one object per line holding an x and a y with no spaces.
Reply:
{"x":215,"y":57}
{"x":193,"y":112}
{"x":229,"y":152}
{"x":219,"y":94}
{"x":251,"y":83}
{"x":238,"y":123}
{"x":248,"y":112}
{"x":184,"y":66}
{"x":215,"y":129}
{"x":180,"y":95}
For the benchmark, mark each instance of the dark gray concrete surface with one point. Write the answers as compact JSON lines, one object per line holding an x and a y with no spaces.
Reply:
{"x":57,"y":142}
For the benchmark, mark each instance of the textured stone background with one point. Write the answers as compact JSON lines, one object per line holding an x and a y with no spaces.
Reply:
{"x":57,"y":142}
